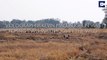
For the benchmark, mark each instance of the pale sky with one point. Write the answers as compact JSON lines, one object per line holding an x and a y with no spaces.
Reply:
{"x":66,"y":10}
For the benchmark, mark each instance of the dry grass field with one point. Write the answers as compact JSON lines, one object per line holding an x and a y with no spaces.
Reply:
{"x":53,"y":44}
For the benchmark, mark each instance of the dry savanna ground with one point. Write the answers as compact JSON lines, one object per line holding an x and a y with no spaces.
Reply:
{"x":53,"y":44}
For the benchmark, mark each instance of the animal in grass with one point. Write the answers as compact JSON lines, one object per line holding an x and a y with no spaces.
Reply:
{"x":66,"y":36}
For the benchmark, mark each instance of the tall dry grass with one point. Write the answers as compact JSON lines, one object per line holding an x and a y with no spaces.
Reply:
{"x":83,"y":44}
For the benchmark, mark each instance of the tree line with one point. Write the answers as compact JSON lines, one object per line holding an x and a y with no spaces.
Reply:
{"x":51,"y":23}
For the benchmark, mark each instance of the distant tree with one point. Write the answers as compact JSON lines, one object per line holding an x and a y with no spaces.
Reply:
{"x":31,"y":22}
{"x":97,"y":25}
{"x":16,"y":21}
{"x":105,"y":21}
{"x":102,"y":25}
{"x":84,"y":23}
{"x":48,"y":21}
{"x":64,"y":22}
{"x":88,"y":24}
{"x":2,"y":25}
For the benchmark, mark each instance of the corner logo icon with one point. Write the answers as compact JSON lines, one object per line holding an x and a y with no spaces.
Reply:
{"x":101,"y":3}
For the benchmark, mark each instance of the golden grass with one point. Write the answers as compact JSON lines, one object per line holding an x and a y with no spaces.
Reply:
{"x":80,"y":46}
{"x":31,"y":50}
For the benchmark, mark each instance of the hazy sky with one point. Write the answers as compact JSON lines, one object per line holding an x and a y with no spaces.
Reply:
{"x":67,"y":10}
